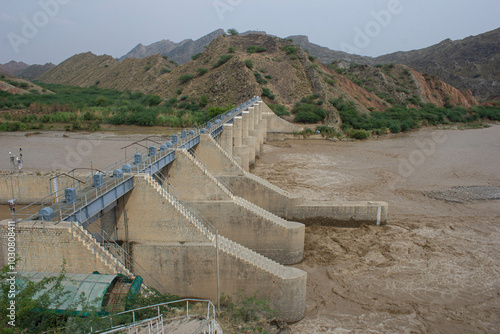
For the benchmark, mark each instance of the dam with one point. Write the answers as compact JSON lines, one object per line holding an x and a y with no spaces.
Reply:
{"x":186,"y":215}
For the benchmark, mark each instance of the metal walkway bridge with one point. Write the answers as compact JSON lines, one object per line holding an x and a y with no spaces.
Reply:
{"x":102,"y":190}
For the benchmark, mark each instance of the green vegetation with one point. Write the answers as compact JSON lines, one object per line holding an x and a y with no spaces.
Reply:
{"x":185,"y":78}
{"x":201,"y":71}
{"x":267,"y":92}
{"x":222,"y":60}
{"x":256,"y":49}
{"x":231,"y":49}
{"x":260,"y":80}
{"x":290,"y":49}
{"x":309,"y":110}
{"x":233,"y":32}
{"x":196,"y":56}
{"x":249,"y":314}
{"x":399,"y":119}
{"x":34,"y":316}
{"x":89,"y":108}
{"x":331,"y":82}
{"x":279,"y":109}
{"x":249,"y":63}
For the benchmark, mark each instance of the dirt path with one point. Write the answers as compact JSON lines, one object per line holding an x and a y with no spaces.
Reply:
{"x":435,"y":268}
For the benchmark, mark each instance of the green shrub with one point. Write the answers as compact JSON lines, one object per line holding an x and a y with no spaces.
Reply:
{"x":233,"y":32}
{"x":267,"y":92}
{"x":201,"y":71}
{"x":358,"y":134}
{"x":256,"y":49}
{"x":260,"y":80}
{"x":196,"y":56}
{"x":278,"y":109}
{"x":222,"y":60}
{"x":249,"y":63}
{"x":290,"y":49}
{"x":165,"y":70}
{"x":231,"y":49}
{"x":203,"y":101}
{"x":268,"y":77}
{"x":185,"y":78}
{"x":331,"y":82}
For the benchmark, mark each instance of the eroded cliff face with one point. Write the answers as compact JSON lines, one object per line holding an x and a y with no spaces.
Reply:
{"x":402,"y":85}
{"x":432,"y":90}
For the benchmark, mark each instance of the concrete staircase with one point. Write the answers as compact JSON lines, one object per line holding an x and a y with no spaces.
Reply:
{"x":229,"y":156}
{"x":238,"y":200}
{"x":101,"y":253}
{"x":250,"y":175}
{"x":225,"y":245}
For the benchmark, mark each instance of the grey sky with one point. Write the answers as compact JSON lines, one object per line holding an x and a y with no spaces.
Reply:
{"x":37,"y":33}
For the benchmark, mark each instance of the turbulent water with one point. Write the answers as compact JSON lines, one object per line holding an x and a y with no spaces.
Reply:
{"x":435,"y":267}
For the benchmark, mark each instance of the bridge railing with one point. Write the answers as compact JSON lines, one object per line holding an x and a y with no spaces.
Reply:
{"x":176,"y":194}
{"x":32,"y":210}
{"x":170,"y":310}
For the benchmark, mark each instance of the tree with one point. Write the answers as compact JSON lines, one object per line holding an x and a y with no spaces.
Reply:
{"x":233,"y":32}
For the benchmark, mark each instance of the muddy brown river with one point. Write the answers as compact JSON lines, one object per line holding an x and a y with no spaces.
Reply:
{"x":434,"y":268}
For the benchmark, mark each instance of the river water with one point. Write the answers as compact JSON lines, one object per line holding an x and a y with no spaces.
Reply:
{"x":434,"y":268}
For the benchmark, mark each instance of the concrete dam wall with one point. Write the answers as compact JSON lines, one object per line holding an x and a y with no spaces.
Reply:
{"x":200,"y":219}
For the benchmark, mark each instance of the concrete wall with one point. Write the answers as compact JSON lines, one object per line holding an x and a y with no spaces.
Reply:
{"x":260,"y":194}
{"x":214,"y":159}
{"x":339,"y":214}
{"x":151,"y":218}
{"x":45,"y":249}
{"x":190,"y":270}
{"x":275,"y":124}
{"x":183,"y":260}
{"x":28,"y":188}
{"x":282,"y":244}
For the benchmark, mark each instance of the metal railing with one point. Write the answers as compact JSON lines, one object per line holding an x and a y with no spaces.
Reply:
{"x":134,"y":328}
{"x":110,"y":244}
{"x":31,"y":211}
{"x":164,"y":310}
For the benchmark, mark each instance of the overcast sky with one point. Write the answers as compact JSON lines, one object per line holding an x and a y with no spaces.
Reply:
{"x":40,"y":31}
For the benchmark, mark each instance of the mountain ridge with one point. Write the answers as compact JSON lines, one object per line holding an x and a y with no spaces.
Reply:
{"x":229,"y":70}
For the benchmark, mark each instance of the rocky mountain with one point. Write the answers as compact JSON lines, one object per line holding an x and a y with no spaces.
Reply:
{"x":235,"y":68}
{"x":14,"y":68}
{"x":471,"y":63}
{"x":23,"y":70}
{"x":181,"y":52}
{"x":34,"y":71}
{"x":87,"y":69}
{"x":326,"y":55}
{"x":14,"y":85}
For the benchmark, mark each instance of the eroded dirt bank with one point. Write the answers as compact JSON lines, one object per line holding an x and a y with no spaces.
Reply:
{"x":435,"y":268}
